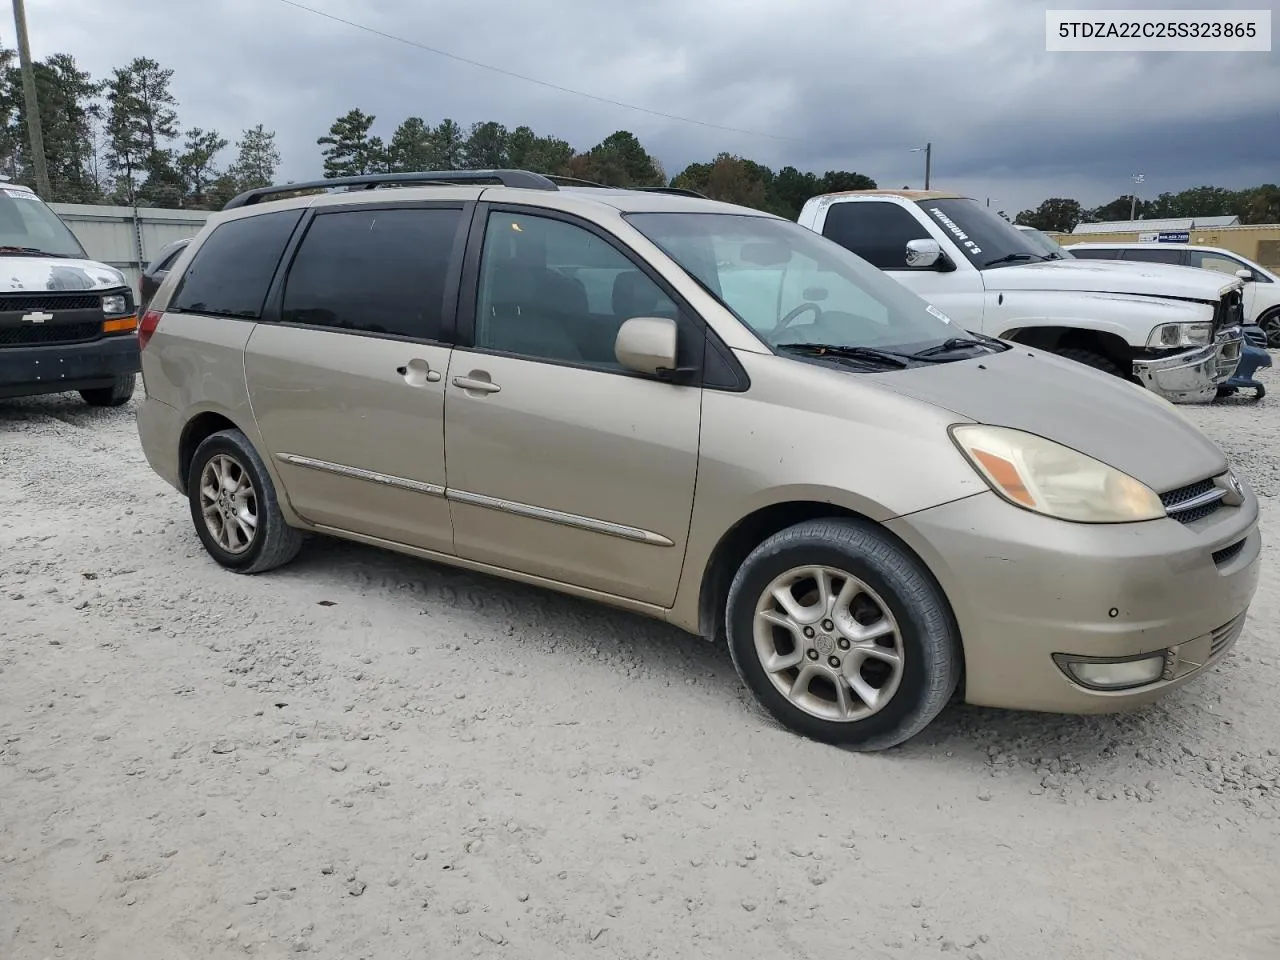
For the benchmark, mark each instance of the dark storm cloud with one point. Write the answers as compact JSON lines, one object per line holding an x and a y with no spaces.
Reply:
{"x":848,"y":85}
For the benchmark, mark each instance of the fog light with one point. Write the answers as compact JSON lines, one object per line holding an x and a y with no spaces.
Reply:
{"x":1113,"y":674}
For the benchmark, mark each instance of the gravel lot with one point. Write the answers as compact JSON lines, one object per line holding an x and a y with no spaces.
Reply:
{"x":367,"y":756}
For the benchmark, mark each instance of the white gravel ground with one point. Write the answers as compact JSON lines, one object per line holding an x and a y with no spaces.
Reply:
{"x":366,"y":756}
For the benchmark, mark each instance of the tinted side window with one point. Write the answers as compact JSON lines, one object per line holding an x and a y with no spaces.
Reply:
{"x":1094,"y":253}
{"x":232,"y":270}
{"x":377,"y":271}
{"x":877,"y":232}
{"x":1153,"y":255}
{"x":550,"y":290}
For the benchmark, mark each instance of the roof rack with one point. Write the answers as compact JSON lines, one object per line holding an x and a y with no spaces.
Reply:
{"x":678,"y":191}
{"x":508,"y":178}
{"x":576,"y":182}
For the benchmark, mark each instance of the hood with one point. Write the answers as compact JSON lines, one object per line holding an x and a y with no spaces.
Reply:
{"x":41,"y":274}
{"x":1096,"y":413}
{"x":1114,"y":276}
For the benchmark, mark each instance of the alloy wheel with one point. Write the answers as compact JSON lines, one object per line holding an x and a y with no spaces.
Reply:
{"x":229,"y":503}
{"x":828,"y":643}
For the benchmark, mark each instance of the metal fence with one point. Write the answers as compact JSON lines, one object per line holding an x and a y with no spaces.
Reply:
{"x":127,"y":238}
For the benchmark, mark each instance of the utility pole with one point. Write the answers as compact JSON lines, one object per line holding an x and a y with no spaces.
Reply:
{"x":927,"y":150}
{"x":34,"y":133}
{"x":1137,"y":178}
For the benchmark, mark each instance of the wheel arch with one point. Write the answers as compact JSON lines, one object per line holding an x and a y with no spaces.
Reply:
{"x":753,"y":529}
{"x":195,"y":431}
{"x":1054,"y":338}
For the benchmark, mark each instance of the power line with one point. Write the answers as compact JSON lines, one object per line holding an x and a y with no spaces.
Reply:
{"x":535,"y":80}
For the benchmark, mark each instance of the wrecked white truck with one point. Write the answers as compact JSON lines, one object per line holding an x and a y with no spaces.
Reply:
{"x":1175,"y":330}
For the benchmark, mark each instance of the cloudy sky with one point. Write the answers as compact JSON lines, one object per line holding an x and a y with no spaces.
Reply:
{"x":827,"y":84}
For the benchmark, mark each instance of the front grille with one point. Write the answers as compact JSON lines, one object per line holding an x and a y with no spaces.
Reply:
{"x":1226,"y":635}
{"x":1193,"y":502}
{"x":26,"y":302}
{"x":30,"y":335}
{"x":1228,"y":553}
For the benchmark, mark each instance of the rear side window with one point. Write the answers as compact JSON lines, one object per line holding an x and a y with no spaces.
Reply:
{"x":230,"y":273}
{"x":878,"y":232}
{"x":1094,"y":253}
{"x":1153,"y":255}
{"x":376,"y":271}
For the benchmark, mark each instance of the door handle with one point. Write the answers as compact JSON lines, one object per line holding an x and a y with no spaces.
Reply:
{"x":417,"y":372}
{"x":474,"y":385}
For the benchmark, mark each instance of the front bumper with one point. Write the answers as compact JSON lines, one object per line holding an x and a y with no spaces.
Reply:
{"x":1025,"y":587}
{"x":29,"y":371}
{"x":1192,"y":376}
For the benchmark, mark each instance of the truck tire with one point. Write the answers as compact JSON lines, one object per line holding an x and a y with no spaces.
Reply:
{"x":1091,"y":359}
{"x":116,"y":395}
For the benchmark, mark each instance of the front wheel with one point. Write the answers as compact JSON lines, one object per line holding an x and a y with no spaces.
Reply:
{"x":1091,"y":358}
{"x":117,"y":395}
{"x":842,"y":635}
{"x":234,"y":506}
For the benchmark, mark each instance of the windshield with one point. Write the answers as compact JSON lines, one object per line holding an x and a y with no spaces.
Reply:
{"x":986,"y":239}
{"x":1045,"y":243}
{"x":27,"y":225}
{"x":793,"y":286}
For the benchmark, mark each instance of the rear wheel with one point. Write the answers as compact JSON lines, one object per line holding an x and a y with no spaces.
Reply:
{"x":1091,"y":358}
{"x":117,"y":395}
{"x":841,"y":634}
{"x":234,"y":506}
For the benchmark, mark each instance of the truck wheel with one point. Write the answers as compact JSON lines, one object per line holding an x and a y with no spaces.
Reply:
{"x":842,"y":635}
{"x":117,"y":395}
{"x":234,"y":506}
{"x":1091,"y":359}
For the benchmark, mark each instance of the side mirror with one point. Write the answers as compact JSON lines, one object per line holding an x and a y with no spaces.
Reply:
{"x":923,"y":253}
{"x":647,"y":345}
{"x":1244,"y":273}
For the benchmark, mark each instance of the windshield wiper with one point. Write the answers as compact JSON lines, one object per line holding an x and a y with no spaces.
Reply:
{"x":951,"y":345}
{"x":843,"y":352}
{"x":28,"y":252}
{"x":1013,"y":258}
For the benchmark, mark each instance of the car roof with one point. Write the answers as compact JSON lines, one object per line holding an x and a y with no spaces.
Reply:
{"x":1143,"y":245}
{"x":904,"y":194}
{"x":514,"y":186}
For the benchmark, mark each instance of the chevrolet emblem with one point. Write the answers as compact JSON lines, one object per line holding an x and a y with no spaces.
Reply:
{"x":37,"y":316}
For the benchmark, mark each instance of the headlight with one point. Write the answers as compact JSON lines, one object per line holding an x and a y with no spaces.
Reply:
{"x":1046,"y":477}
{"x":1180,"y":335}
{"x":115,"y":304}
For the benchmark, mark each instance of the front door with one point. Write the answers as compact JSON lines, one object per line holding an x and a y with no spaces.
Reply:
{"x":348,"y":389}
{"x":562,"y":464}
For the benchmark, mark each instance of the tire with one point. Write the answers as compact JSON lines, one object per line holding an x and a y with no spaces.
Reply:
{"x":1091,"y":359}
{"x":1270,"y":324}
{"x":117,"y":395}
{"x":889,"y":581}
{"x":269,"y":542}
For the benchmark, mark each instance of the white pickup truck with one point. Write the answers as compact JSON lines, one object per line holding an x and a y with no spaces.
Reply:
{"x":1176,"y":330}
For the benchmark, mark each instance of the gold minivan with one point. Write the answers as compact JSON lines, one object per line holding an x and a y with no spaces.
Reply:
{"x":701,"y":413}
